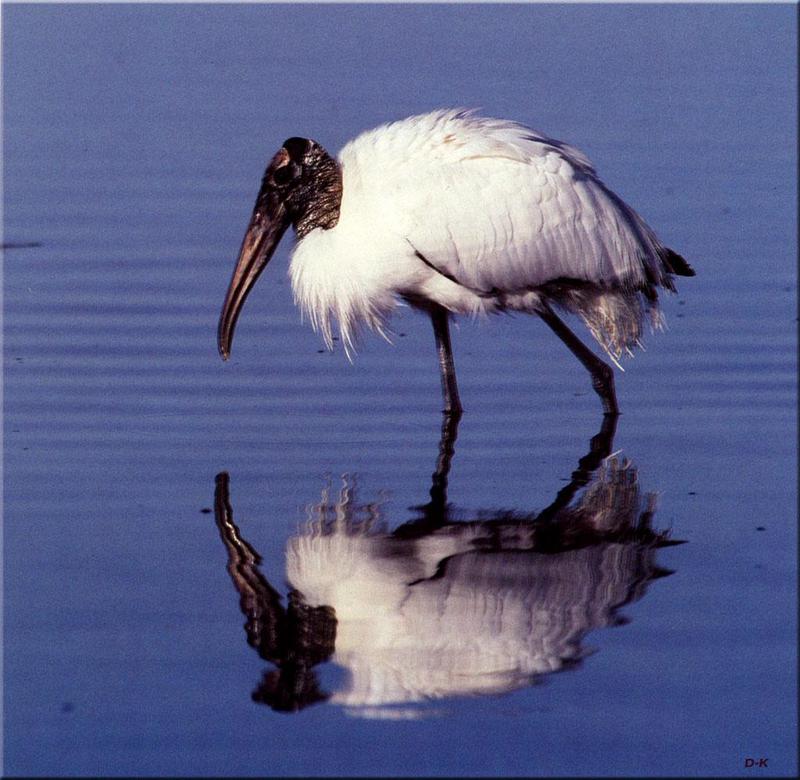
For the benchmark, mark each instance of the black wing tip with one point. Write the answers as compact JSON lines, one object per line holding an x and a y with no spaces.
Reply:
{"x":676,"y":264}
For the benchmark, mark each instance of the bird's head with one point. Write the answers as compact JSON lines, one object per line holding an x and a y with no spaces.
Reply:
{"x":302,"y":186}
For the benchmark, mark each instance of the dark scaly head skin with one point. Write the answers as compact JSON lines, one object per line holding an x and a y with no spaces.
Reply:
{"x":302,"y":186}
{"x":314,"y":193}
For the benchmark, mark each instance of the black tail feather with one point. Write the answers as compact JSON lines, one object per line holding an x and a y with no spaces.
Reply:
{"x":675,"y":264}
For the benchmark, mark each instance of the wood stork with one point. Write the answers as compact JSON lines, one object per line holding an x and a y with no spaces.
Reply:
{"x":454,"y":213}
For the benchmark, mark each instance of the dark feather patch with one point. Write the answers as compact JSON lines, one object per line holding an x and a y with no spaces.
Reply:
{"x":676,"y":264}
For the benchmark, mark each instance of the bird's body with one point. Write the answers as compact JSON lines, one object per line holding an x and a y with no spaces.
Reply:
{"x":478,"y":216}
{"x":460,"y":214}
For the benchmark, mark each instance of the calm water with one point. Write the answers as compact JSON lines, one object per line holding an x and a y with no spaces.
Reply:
{"x":534,"y":618}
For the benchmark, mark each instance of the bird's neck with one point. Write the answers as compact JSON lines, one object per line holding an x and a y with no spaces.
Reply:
{"x":319,"y":203}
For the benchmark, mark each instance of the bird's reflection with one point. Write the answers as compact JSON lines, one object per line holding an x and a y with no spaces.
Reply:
{"x":443,"y":607}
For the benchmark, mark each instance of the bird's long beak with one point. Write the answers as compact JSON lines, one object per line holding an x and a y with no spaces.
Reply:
{"x":267,"y":225}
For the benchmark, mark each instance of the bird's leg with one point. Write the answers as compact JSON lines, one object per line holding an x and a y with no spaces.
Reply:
{"x":441,"y":330}
{"x":602,"y":375}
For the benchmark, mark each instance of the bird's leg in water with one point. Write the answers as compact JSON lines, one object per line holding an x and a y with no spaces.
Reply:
{"x":441,"y":330}
{"x":602,"y":375}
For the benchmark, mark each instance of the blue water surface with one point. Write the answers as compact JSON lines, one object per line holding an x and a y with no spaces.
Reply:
{"x":134,"y":139}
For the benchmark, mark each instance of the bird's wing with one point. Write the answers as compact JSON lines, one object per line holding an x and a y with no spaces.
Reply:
{"x":497,"y":206}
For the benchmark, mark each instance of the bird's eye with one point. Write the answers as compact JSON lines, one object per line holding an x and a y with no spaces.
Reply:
{"x":285,"y":174}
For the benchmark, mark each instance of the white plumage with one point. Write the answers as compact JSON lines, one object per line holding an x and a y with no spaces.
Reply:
{"x":497,"y":208}
{"x":456,"y":214}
